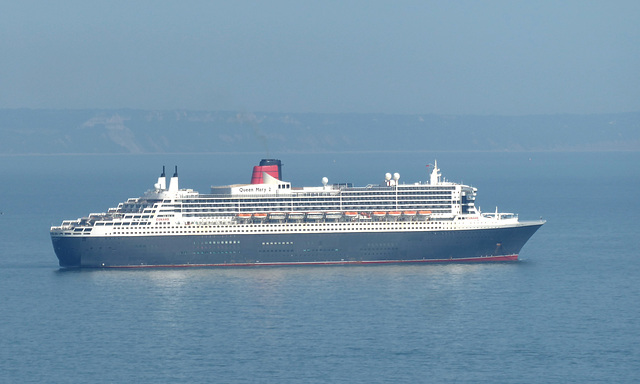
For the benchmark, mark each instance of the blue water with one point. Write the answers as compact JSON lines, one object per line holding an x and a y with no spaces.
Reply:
{"x":567,"y":312}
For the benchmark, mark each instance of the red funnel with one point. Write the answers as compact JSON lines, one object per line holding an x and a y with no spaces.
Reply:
{"x":270,"y":166}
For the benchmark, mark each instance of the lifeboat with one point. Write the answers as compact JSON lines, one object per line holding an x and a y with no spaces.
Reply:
{"x":333,"y":215}
{"x":424,"y":215}
{"x":260,"y":216}
{"x":277,"y":216}
{"x":409,"y":213}
{"x":379,"y":214}
{"x":394,"y":213}
{"x":244,"y":215}
{"x":315,"y":215}
{"x":351,"y":215}
{"x":296,"y":216}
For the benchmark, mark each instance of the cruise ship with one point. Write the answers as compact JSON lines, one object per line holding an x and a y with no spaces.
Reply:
{"x":269,"y":222}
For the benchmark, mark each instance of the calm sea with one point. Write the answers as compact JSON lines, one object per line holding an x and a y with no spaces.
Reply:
{"x":566,"y":313}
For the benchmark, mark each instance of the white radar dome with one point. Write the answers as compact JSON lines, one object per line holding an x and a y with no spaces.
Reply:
{"x":325,"y":181}
{"x":387,"y":176}
{"x":396,"y":176}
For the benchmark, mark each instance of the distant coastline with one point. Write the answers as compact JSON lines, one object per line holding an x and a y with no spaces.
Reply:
{"x":40,"y":132}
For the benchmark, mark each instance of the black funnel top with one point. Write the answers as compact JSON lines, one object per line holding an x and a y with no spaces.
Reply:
{"x":273,"y":162}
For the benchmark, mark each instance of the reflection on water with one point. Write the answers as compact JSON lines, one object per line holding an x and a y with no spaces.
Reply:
{"x":265,"y":294}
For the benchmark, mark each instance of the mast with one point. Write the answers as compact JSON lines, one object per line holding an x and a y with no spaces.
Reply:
{"x":435,"y":174}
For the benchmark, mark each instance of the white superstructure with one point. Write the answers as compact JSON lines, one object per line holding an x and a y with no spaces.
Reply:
{"x":274,"y":206}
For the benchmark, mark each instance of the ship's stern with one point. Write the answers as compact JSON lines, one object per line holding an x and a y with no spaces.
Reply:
{"x":68,"y":256}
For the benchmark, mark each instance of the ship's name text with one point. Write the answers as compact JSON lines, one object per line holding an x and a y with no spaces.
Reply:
{"x":254,"y":189}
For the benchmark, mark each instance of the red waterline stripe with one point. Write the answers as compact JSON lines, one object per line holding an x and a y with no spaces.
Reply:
{"x":464,"y":260}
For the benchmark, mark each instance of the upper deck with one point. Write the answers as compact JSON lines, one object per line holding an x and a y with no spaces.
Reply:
{"x":273,"y":200}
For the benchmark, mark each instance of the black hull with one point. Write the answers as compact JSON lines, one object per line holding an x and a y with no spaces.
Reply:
{"x":299,"y":248}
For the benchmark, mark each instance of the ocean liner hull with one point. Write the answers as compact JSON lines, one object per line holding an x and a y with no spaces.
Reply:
{"x":492,"y":244}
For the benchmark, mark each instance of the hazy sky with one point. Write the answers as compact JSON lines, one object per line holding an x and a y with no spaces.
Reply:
{"x":416,"y":56}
